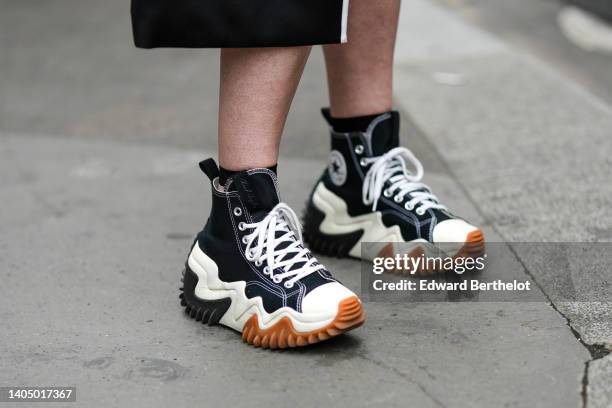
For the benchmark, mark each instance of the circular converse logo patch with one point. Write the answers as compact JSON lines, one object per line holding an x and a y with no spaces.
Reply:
{"x":336,"y":167}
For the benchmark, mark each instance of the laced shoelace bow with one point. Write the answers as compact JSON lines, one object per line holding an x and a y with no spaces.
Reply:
{"x":277,"y":241}
{"x":392,"y":167}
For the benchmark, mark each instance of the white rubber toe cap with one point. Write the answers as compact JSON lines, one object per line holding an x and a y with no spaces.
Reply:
{"x":453,"y":230}
{"x":325,"y":298}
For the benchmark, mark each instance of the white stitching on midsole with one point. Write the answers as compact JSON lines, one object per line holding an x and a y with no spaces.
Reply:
{"x":210,"y":287}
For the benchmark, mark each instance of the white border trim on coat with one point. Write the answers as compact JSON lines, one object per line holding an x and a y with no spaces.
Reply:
{"x":345,"y":7}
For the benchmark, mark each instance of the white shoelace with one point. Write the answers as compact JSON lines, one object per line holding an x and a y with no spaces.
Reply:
{"x":262,"y":245}
{"x":391,"y":167}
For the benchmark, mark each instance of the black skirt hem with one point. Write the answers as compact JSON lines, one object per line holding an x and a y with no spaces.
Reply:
{"x":238,"y":23}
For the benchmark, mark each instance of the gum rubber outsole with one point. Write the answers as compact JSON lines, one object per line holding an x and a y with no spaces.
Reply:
{"x":282,"y":334}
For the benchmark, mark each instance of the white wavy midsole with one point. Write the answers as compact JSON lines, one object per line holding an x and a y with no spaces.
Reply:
{"x":338,"y":221}
{"x":210,"y":287}
{"x":376,"y":235}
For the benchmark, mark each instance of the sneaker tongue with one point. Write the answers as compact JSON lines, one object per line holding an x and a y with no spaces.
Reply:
{"x":257,"y":190}
{"x":383,"y":133}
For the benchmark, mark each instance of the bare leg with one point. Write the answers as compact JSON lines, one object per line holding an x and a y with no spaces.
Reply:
{"x":360,"y":73}
{"x":257,"y":87}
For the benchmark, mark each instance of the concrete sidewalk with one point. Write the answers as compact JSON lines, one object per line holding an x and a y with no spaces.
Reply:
{"x":99,"y":145}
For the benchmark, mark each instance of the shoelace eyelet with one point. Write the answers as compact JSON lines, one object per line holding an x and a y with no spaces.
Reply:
{"x":388,"y":193}
{"x":391,"y":170}
{"x":420,"y":211}
{"x":363,"y":162}
{"x":282,"y":247}
{"x":398,"y":199}
{"x":242,"y":226}
{"x":288,"y":285}
{"x":359,"y":149}
{"x":409,"y":207}
{"x":237,"y":211}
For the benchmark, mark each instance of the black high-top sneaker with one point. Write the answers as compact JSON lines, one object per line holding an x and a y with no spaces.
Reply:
{"x":249,"y":270}
{"x":372,"y":192}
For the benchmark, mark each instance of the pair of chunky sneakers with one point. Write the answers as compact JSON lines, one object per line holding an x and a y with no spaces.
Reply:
{"x":249,"y":268}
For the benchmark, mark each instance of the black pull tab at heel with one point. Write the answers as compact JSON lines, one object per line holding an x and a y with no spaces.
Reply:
{"x":210,"y":168}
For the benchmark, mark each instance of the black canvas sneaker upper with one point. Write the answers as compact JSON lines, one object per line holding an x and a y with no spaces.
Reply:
{"x":255,"y":238}
{"x":371,"y":172}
